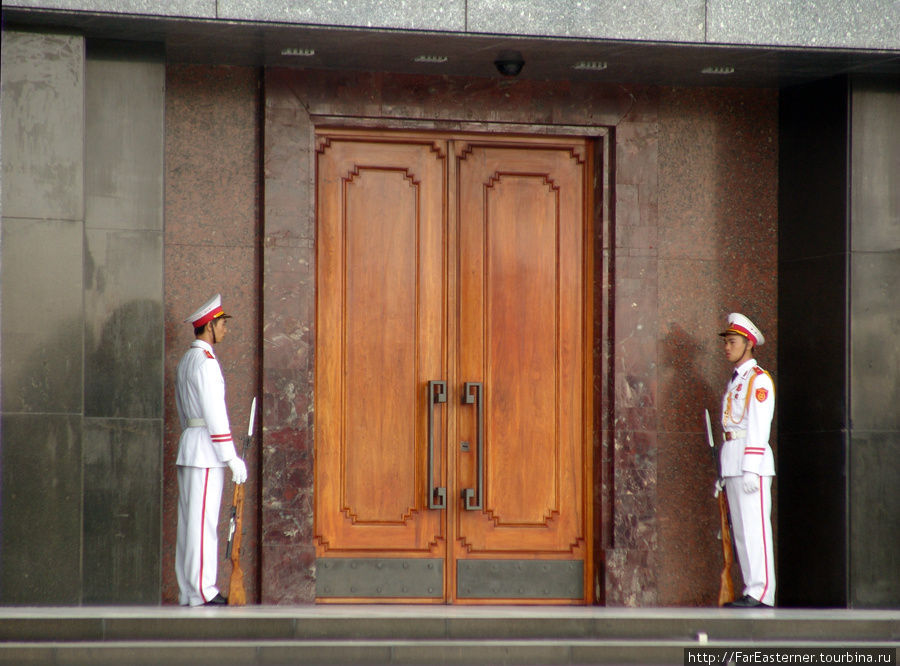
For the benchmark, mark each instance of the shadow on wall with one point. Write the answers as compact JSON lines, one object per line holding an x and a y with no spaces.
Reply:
{"x":123,"y":374}
{"x":688,"y":470}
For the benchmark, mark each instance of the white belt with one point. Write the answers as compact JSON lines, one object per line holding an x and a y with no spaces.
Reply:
{"x":735,"y":434}
{"x":196,"y":423}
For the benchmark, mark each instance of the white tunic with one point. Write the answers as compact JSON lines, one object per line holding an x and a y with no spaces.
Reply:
{"x":747,"y":410}
{"x":200,"y":396}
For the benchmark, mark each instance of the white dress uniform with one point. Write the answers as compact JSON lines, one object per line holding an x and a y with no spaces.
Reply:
{"x":747,"y":409}
{"x":204,"y":450}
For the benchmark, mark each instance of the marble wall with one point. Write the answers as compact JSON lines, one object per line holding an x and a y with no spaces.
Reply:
{"x":212,"y":245}
{"x":687,"y":235}
{"x":717,"y":253}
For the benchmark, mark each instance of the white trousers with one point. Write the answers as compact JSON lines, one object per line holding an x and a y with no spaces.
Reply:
{"x":196,"y":545}
{"x":751,"y":525}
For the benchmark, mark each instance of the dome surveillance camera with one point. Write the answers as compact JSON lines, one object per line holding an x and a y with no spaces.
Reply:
{"x":509,"y":63}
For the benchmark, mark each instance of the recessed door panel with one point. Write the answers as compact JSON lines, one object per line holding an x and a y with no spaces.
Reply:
{"x":522,"y":333}
{"x":380,"y":318}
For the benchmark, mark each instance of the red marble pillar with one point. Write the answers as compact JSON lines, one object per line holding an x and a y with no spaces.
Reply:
{"x":718,"y":182}
{"x":212,"y":246}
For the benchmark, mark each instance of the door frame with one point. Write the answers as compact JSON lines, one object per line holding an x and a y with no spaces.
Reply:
{"x":597,"y":144}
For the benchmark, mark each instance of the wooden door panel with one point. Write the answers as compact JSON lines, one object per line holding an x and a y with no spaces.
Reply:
{"x":521,"y":333}
{"x":380,"y":332}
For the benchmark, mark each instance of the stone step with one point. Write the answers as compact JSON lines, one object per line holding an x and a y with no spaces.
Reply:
{"x":419,"y":635}
{"x":422,"y":652}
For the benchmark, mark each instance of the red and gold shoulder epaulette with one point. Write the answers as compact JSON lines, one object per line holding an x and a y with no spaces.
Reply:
{"x":208,"y":353}
{"x":758,"y":370}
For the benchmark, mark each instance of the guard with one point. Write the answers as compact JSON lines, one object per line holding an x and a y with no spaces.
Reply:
{"x":747,"y":463}
{"x":204,"y":450}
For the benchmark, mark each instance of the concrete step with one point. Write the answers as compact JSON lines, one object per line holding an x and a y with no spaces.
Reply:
{"x":420,"y":635}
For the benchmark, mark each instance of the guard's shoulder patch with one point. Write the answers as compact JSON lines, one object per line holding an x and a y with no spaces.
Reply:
{"x":208,"y":353}
{"x":761,"y":394}
{"x":758,"y":370}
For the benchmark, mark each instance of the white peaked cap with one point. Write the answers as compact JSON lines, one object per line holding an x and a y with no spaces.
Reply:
{"x":210,"y":310}
{"x":738,"y":324}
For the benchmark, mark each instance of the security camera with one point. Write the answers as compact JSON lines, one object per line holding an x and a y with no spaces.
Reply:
{"x":509,"y":63}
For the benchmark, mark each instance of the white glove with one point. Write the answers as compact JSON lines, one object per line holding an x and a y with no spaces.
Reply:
{"x":720,"y":487}
{"x":751,"y":482}
{"x":238,"y":470}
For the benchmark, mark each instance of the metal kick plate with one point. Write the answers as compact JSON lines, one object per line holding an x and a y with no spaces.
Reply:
{"x":520,"y":579}
{"x":379,"y":577}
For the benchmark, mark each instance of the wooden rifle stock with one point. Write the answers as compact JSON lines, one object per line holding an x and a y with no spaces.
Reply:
{"x":726,"y":585}
{"x":236,"y":594}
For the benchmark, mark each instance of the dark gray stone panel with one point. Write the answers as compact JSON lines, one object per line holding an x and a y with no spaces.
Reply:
{"x":875,"y":206}
{"x":812,"y":172}
{"x":123,"y":374}
{"x":123,"y":166}
{"x":812,"y":347}
{"x":874,"y":519}
{"x":123,"y":259}
{"x":811,"y":540}
{"x":875,"y":354}
{"x":43,"y":120}
{"x":122,"y":509}
{"x":41,"y":503}
{"x":42,"y":323}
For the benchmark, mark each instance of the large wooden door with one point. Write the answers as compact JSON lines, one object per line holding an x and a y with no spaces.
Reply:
{"x":452,"y":384}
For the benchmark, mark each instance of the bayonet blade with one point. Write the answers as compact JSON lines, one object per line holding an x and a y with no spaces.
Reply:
{"x":709,"y":435}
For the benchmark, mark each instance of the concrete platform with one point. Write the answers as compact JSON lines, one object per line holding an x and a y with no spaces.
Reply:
{"x":387,"y":634}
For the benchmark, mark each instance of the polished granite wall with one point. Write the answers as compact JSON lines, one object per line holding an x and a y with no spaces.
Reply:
{"x":834,"y":23}
{"x":689,"y":237}
{"x":81,"y":322}
{"x":875,"y":357}
{"x":212,"y":246}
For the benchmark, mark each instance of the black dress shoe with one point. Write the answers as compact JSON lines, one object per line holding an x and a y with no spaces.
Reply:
{"x":217,"y":600}
{"x":746,"y":602}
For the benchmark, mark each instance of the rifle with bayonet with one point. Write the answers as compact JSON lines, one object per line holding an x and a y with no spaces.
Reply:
{"x":236,"y":594}
{"x":726,"y":585}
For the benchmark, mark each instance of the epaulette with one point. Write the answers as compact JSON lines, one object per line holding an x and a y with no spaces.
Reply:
{"x":208,"y":354}
{"x":758,"y":370}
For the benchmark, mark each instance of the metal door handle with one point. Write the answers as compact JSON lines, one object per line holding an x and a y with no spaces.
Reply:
{"x":437,"y":495}
{"x":477,"y":493}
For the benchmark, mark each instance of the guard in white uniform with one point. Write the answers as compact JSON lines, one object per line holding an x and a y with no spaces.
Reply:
{"x":748,"y":465}
{"x":204,"y":451}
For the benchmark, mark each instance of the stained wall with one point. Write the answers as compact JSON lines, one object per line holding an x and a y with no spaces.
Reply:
{"x":82,"y":311}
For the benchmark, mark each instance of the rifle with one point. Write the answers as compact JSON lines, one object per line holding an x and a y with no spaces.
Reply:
{"x":726,"y":585}
{"x":236,"y":594}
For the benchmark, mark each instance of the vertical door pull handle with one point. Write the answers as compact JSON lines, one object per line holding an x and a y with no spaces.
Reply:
{"x":437,"y":495}
{"x":473,"y":392}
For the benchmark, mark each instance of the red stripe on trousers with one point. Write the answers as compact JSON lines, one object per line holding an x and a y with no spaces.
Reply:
{"x":202,"y":535}
{"x":762,"y":519}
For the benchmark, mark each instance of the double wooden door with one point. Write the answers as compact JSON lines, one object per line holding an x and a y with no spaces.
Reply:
{"x":452,"y":401}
